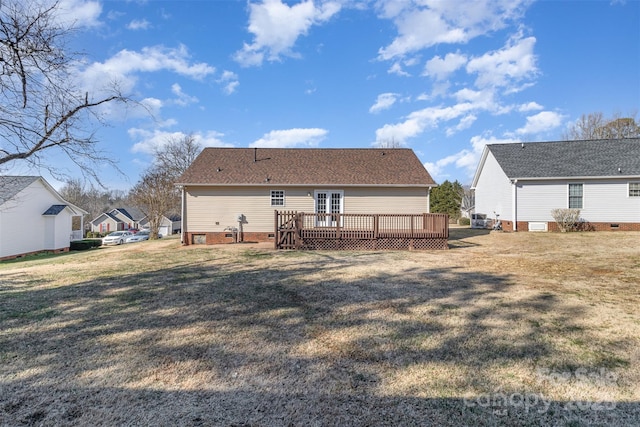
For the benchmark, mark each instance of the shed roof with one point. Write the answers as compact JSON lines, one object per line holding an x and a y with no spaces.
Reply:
{"x":54,"y":210}
{"x":307,"y":166}
{"x":565,"y":159}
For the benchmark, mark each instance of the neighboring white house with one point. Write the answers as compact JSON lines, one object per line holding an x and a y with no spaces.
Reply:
{"x":35,"y":218}
{"x":522,"y":183}
{"x":169,"y":224}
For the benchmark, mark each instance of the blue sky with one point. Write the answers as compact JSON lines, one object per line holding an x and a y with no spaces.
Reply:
{"x":441,"y":77}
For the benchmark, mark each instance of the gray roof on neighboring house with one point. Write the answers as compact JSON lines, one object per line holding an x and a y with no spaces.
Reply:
{"x":54,"y":210}
{"x":98,"y":219}
{"x":132,"y":212}
{"x":564,"y":159}
{"x":12,"y":185}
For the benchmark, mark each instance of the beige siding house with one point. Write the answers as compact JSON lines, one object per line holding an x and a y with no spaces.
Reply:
{"x":232,"y":193}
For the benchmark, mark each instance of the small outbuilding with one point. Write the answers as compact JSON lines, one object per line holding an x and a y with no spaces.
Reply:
{"x":35,"y":218}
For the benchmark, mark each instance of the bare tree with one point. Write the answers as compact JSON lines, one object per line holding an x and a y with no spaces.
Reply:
{"x":621,"y":127}
{"x":595,"y":126}
{"x":42,"y":109}
{"x":93,"y":200}
{"x":468,"y":200}
{"x":155,"y":195}
{"x":388,"y":143}
{"x":177,"y":155}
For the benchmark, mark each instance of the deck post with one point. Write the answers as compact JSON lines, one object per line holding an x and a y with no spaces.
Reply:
{"x":412,"y":217}
{"x":376,"y":225}
{"x":298,"y":224}
{"x":277,"y":232}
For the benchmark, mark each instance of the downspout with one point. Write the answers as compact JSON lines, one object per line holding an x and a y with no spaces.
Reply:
{"x":183,"y":231}
{"x":428,"y":199}
{"x":514,"y":203}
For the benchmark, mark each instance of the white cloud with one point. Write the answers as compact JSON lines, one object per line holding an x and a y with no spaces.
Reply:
{"x":139,"y":24}
{"x":479,"y":141}
{"x":230,"y":82}
{"x":467,"y":158}
{"x":276,"y":27}
{"x":505,"y":67}
{"x":463,"y":124}
{"x":150,"y":140}
{"x":397,"y":69}
{"x":183,"y":99}
{"x":384,"y":102}
{"x":530,"y":106}
{"x":309,"y":137}
{"x":436,"y":169}
{"x":440,"y":68}
{"x":124,"y":66}
{"x":421,"y":120}
{"x":420,"y":27}
{"x":541,"y":122}
{"x":78,"y":13}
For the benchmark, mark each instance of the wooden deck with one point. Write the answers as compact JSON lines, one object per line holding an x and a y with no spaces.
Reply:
{"x":300,"y":230}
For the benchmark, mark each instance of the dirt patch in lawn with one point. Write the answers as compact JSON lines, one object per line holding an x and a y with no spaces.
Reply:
{"x":502,"y":329}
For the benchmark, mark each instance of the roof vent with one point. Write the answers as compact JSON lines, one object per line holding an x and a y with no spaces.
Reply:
{"x":218,"y":169}
{"x":619,"y":170}
{"x":522,"y":144}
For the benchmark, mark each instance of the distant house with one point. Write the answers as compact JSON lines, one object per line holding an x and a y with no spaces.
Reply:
{"x":228,"y":190}
{"x":522,"y":183}
{"x":169,"y":224}
{"x":117,"y":219}
{"x":35,"y":218}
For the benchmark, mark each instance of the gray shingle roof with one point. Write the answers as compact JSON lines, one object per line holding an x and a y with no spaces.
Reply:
{"x":54,"y":210}
{"x":307,"y":166}
{"x":12,"y":185}
{"x":592,"y":158}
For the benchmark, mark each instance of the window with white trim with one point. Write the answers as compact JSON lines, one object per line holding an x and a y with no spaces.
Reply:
{"x":575,"y":196}
{"x":634,"y":189}
{"x":277,"y":197}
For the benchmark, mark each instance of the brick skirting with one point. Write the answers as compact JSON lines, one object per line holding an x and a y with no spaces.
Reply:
{"x":603,"y":226}
{"x":49,"y":251}
{"x":587,"y":226}
{"x":216,"y":238}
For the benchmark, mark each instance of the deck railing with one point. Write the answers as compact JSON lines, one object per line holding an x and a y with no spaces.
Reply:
{"x":75,"y":235}
{"x":293,"y":227}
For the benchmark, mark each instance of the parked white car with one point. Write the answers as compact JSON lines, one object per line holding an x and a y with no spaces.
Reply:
{"x":116,"y":238}
{"x":138,"y":237}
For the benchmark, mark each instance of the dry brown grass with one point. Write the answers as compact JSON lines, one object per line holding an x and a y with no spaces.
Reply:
{"x":502,"y":329}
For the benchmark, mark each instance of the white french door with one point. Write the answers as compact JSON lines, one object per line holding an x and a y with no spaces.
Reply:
{"x":328,"y":202}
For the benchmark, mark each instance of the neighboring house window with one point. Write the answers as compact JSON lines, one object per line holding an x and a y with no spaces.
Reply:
{"x":575,"y":196}
{"x":277,"y":197}
{"x":634,"y":189}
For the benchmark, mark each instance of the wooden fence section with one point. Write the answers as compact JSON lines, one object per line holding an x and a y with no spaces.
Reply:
{"x":300,"y":230}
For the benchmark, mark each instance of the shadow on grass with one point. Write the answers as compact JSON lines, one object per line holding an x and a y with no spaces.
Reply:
{"x":296,"y":342}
